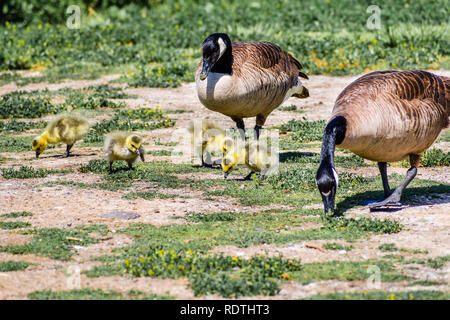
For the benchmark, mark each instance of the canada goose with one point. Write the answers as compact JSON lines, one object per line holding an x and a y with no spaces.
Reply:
{"x":210,"y":137}
{"x":384,"y":116}
{"x":121,"y":145}
{"x":65,"y":128}
{"x":246,"y":79}
{"x":253,"y":155}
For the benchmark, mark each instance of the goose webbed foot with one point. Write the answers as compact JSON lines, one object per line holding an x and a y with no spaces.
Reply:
{"x":393,"y":201}
{"x":388,"y":204}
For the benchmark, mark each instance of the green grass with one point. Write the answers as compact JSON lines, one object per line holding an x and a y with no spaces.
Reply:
{"x":6,"y":266}
{"x":216,"y":274}
{"x":95,"y":294}
{"x":27,"y":172}
{"x":15,"y":144}
{"x":158,"y":44}
{"x":337,"y":246}
{"x":15,"y":126}
{"x":129,"y":120}
{"x":383,"y":295}
{"x":347,"y":271}
{"x":51,"y":242}
{"x":14,"y":225}
{"x":16,"y":214}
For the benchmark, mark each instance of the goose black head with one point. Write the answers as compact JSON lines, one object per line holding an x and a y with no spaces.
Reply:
{"x":327,"y":181}
{"x":327,"y":178}
{"x":216,"y":51}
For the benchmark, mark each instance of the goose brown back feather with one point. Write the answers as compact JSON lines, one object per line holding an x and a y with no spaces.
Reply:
{"x":262,"y":74}
{"x":393,"y":114}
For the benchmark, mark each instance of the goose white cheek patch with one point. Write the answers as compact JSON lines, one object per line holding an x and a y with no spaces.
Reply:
{"x":222,"y":46}
{"x":336,"y":178}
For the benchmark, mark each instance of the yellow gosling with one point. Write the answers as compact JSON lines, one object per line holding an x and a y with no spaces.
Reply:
{"x":125,"y":146}
{"x":253,"y":155}
{"x":211,"y":137}
{"x":65,"y":128}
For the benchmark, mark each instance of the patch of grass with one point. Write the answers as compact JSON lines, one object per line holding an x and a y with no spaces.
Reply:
{"x":27,"y":172}
{"x":304,"y":131}
{"x":389,"y":247}
{"x":211,"y":217}
{"x":216,"y":274}
{"x":337,"y":246}
{"x":129,"y":120}
{"x":110,"y":186}
{"x":291,"y":107}
{"x":14,"y":225}
{"x":15,"y":126}
{"x":160,"y":153}
{"x":435,"y":157}
{"x":16,"y":214}
{"x":51,"y":242}
{"x":15,"y":144}
{"x":149,"y":195}
{"x":20,"y":104}
{"x":95,"y":294}
{"x":383,"y":295}
{"x":364,"y":224}
{"x":6,"y":266}
{"x":346,"y":270}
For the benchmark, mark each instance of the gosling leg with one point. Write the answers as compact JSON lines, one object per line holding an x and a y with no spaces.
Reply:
{"x":249,"y":176}
{"x":110,"y":167}
{"x":69,"y":146}
{"x":130,"y":165}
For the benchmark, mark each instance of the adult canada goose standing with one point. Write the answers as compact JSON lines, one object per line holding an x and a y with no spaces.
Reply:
{"x":246,"y":79}
{"x":384,"y":116}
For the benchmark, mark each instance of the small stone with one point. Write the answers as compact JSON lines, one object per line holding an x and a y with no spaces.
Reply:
{"x":121,"y":215}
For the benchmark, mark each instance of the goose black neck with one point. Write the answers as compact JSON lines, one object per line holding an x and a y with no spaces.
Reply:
{"x":225,"y":62}
{"x":334,"y":134}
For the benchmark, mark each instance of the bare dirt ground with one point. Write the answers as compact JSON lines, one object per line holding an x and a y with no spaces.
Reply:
{"x":427,"y":226}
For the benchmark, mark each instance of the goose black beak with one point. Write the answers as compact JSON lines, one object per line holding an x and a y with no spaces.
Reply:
{"x":205,"y":70}
{"x":37,"y":154}
{"x":225,"y":175}
{"x":138,"y":152}
{"x":328,"y":202}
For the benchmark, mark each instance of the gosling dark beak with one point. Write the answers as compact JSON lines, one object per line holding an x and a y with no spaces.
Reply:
{"x":138,"y":152}
{"x":328,"y":202}
{"x":205,"y":70}
{"x":225,"y":175}
{"x":37,"y":154}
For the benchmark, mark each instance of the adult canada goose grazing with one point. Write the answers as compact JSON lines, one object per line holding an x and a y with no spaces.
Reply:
{"x":384,"y":116}
{"x":246,"y":79}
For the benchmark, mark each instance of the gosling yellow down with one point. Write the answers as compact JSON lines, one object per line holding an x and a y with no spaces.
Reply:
{"x":125,"y":146}
{"x":253,"y":155}
{"x":207,"y":139}
{"x":65,"y":128}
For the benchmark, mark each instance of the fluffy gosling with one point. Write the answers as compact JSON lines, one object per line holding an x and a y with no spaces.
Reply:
{"x":254,"y":156}
{"x":123,"y":146}
{"x":212,"y":138}
{"x":66,"y":128}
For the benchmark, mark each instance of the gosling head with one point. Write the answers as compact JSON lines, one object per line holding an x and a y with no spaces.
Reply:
{"x":327,"y":181}
{"x":229,"y":162}
{"x":133,"y":143}
{"x":39,"y":144}
{"x":214,"y":47}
